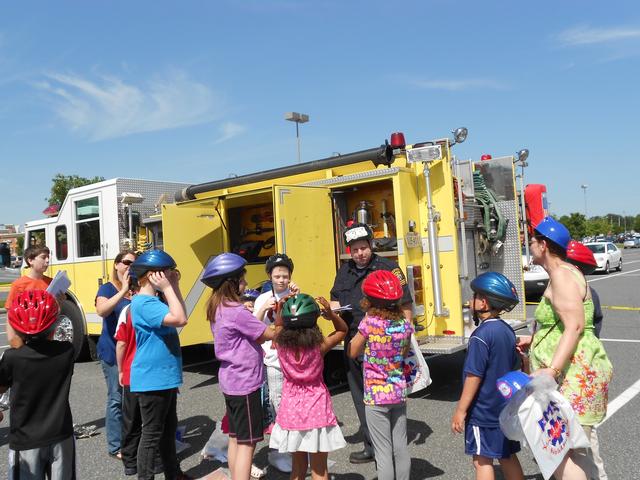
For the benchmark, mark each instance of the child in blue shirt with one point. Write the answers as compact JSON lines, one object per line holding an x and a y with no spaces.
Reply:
{"x":491,"y":354}
{"x":156,"y":370}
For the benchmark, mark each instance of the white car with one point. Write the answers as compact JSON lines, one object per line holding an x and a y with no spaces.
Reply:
{"x":536,"y":278}
{"x":632,"y":243}
{"x":607,"y":255}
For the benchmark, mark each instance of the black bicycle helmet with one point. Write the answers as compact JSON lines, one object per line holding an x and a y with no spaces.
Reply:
{"x":278,"y":260}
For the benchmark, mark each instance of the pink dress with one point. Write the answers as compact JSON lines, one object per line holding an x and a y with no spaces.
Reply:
{"x":305,"y":421}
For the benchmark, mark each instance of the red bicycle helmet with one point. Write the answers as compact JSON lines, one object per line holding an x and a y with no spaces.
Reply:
{"x":582,"y":257}
{"x":382,"y":285}
{"x":33,"y":312}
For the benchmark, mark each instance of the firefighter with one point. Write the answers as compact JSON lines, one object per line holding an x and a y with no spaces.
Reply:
{"x":347,"y":290}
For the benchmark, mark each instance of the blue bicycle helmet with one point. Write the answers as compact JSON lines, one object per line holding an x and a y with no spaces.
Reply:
{"x":221,"y":268}
{"x":152,"y":260}
{"x":249,"y":294}
{"x":553,"y":230}
{"x":498,"y":289}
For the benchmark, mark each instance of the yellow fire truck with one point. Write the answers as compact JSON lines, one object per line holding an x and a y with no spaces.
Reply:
{"x":443,"y":220}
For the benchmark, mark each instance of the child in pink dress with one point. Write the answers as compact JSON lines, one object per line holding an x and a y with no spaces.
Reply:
{"x":305,"y":424}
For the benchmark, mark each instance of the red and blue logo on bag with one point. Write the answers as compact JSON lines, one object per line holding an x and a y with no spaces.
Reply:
{"x":555,"y":429}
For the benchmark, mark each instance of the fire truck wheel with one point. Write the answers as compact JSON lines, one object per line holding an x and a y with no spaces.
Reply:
{"x":71,"y":327}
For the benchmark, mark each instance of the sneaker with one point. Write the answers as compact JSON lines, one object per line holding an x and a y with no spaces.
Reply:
{"x":257,"y":472}
{"x":361,"y":457}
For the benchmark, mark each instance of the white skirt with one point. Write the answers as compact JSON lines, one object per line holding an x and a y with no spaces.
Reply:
{"x":325,"y":439}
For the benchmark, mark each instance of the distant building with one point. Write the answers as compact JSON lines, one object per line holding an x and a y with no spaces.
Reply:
{"x":11,"y":235}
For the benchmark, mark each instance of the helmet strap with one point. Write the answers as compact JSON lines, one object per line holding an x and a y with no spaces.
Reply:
{"x":476,"y":317}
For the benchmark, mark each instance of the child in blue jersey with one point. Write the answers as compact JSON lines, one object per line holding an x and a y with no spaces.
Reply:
{"x":491,"y":354}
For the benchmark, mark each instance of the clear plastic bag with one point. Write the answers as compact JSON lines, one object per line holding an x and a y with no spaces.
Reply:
{"x":217,"y":445}
{"x":540,"y":387}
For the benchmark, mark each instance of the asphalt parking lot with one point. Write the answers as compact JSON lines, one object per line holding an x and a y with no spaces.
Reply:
{"x":435,"y":451}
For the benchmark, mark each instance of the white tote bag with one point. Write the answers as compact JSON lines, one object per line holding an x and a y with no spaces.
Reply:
{"x":551,"y":429}
{"x":416,"y":370}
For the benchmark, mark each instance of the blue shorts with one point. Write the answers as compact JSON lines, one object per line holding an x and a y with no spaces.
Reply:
{"x":488,"y":442}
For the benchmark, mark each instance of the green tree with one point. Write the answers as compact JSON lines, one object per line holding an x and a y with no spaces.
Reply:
{"x":20,"y":246}
{"x":63,"y":183}
{"x":576,"y":224}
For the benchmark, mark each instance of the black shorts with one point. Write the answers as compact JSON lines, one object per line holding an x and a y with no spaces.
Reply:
{"x":245,"y":417}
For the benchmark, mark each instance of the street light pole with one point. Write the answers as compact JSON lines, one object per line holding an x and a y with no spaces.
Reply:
{"x":586,"y":216}
{"x":298,"y":118}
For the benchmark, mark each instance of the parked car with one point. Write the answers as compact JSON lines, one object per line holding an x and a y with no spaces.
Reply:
{"x":607,"y":255}
{"x":632,"y":243}
{"x":536,"y":278}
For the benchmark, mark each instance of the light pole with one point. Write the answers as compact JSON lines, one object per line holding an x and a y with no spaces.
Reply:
{"x":522,"y":160}
{"x":298,"y":118}
{"x":586,"y":218}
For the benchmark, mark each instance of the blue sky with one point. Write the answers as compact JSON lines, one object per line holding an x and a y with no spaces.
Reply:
{"x":195,"y":91}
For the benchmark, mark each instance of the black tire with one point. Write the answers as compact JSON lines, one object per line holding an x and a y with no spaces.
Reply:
{"x":607,"y":268}
{"x":70,"y":328}
{"x":619,"y":266}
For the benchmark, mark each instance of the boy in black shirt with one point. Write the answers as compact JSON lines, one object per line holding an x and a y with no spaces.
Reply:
{"x":39,"y":375}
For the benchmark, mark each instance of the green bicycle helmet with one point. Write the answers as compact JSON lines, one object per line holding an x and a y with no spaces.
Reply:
{"x":300,"y":311}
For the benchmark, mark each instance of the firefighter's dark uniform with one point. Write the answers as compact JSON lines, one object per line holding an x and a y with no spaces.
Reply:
{"x":347,"y":290}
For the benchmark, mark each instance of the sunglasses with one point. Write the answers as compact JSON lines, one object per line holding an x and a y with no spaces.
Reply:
{"x":127,"y":262}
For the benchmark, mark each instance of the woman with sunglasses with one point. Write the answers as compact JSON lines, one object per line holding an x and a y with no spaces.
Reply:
{"x":564,"y":345}
{"x":111,"y":298}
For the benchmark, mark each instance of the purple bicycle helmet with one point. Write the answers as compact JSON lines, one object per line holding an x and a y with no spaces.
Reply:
{"x":222,"y":267}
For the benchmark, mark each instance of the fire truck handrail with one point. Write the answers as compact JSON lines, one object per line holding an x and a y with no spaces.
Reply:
{"x":377,"y":155}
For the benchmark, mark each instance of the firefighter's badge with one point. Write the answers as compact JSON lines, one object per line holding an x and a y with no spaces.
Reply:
{"x":398,"y":273}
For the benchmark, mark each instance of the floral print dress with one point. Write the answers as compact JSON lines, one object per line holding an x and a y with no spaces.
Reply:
{"x":584,"y":381}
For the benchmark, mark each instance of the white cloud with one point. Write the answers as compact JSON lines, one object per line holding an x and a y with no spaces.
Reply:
{"x":108,"y":107}
{"x":228,"y":130}
{"x":454,"y":85}
{"x":585,"y":35}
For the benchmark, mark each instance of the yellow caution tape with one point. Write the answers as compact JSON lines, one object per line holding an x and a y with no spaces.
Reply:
{"x":608,"y":307}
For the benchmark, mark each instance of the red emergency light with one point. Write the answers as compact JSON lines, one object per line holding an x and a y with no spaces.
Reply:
{"x":486,"y":156}
{"x":397,"y":140}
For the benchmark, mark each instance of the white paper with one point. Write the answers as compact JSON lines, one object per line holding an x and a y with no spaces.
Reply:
{"x":346,"y":308}
{"x":59,"y":284}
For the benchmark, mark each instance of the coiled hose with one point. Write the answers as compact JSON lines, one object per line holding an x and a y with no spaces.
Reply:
{"x":494,"y":225}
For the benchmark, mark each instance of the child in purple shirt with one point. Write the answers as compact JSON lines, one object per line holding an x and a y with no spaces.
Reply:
{"x":238,"y":335}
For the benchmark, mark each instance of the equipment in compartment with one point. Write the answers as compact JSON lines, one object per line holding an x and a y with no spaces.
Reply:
{"x":370,"y":203}
{"x":493,"y":227}
{"x":251,"y":232}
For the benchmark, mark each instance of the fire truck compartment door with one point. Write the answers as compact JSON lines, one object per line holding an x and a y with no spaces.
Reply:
{"x":193,"y":233}
{"x":304,"y":231}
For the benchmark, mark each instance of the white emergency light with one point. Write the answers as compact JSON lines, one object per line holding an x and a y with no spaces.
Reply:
{"x":129,"y":198}
{"x":426,"y":154}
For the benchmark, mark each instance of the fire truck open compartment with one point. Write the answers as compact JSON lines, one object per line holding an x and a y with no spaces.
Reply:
{"x":372,"y":203}
{"x":250,"y":225}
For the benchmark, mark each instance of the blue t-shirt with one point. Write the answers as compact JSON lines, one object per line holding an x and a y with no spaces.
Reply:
{"x":107,"y":343}
{"x":491,"y":354}
{"x":157,"y":364}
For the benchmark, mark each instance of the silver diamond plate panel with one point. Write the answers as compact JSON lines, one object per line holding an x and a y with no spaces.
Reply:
{"x":151,"y":191}
{"x":354,"y":177}
{"x":509,"y":259}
